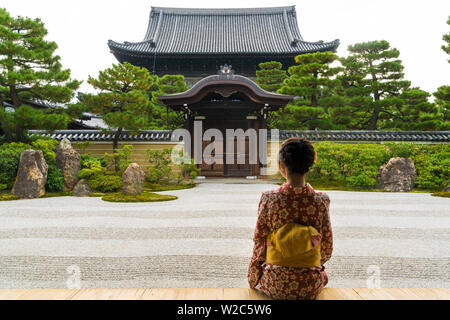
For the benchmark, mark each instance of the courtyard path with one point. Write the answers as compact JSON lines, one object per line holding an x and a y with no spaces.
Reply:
{"x":203,"y":239}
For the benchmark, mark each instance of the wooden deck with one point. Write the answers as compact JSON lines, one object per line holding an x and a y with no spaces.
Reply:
{"x":217,"y":294}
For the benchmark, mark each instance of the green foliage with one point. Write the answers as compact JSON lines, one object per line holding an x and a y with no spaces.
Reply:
{"x":353,"y":165}
{"x":8,"y":197}
{"x":105,"y":183}
{"x":312,"y":81}
{"x":357,"y":165}
{"x":442,"y":100}
{"x":48,"y":147}
{"x":55,"y":179}
{"x":155,"y":187}
{"x":3,"y":186}
{"x":432,"y":166}
{"x":56,"y":194}
{"x":9,"y":161}
{"x":120,"y":157}
{"x":413,"y":111}
{"x":441,"y":194}
{"x":143,"y":197}
{"x":188,"y":168}
{"x":159,"y":168}
{"x":122,"y":102}
{"x":446,"y":38}
{"x":29,"y":71}
{"x":372,"y":80}
{"x":161,"y":116}
{"x":271,"y":76}
{"x":91,"y":168}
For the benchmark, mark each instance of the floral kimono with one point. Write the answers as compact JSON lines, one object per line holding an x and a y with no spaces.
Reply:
{"x":287,"y":204}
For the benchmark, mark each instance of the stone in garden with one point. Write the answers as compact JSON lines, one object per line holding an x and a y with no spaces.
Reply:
{"x":68,"y":160}
{"x":446,"y":189}
{"x":81,"y":189}
{"x":399,"y":175}
{"x":133,"y":180}
{"x":31,"y":175}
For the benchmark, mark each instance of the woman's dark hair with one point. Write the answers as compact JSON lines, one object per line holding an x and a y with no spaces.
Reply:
{"x":297,"y":154}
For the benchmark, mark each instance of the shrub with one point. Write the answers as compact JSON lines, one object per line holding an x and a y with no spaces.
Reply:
{"x":354,"y":165}
{"x":3,"y":186}
{"x":188,"y":169}
{"x":55,"y":179}
{"x":47,"y":146}
{"x":85,"y":157}
{"x":91,"y":168}
{"x":105,"y":183}
{"x":122,"y":155}
{"x":357,"y":165}
{"x":9,"y":161}
{"x":432,"y":166}
{"x":159,"y":168}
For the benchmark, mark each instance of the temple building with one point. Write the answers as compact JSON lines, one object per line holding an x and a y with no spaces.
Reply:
{"x":196,"y":42}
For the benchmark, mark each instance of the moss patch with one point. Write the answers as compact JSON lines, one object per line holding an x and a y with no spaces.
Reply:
{"x":57,"y":194}
{"x":441,"y":194}
{"x":154,"y":187}
{"x":8,"y":197}
{"x":143,"y":197}
{"x":97,"y":194}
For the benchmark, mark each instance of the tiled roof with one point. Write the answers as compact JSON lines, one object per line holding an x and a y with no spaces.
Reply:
{"x":338,"y":136}
{"x":375,"y":136}
{"x":98,"y":135}
{"x":175,"y":31}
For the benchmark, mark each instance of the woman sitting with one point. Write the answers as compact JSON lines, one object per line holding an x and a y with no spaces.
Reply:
{"x":293,"y":237}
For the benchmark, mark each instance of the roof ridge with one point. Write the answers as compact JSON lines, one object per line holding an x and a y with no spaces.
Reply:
{"x":222,"y":11}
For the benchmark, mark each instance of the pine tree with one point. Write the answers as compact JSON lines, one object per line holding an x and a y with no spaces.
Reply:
{"x":373,"y":76}
{"x":271,"y":77}
{"x":162,"y":116}
{"x":442,"y":100}
{"x":413,"y":111}
{"x":123,"y":102}
{"x":446,"y":38}
{"x":29,"y":71}
{"x":312,"y":80}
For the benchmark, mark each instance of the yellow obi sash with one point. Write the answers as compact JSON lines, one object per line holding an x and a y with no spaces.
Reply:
{"x":294,"y":245}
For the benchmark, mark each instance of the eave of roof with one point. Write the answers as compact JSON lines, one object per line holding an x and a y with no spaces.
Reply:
{"x":226,"y":80}
{"x":315,"y":136}
{"x":249,"y":31}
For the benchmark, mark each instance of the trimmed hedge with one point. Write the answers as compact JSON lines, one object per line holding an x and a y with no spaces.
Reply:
{"x":357,"y":165}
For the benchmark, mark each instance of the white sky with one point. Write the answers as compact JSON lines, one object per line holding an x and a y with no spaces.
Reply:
{"x":82,"y":28}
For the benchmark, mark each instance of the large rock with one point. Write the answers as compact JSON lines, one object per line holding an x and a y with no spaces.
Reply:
{"x":133,"y":180}
{"x":399,"y":175}
{"x":446,"y":189}
{"x":68,"y":160}
{"x":82,"y":189}
{"x":31,"y":175}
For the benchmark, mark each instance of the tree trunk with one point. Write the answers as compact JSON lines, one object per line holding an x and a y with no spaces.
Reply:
{"x":115,"y":147}
{"x":19,"y":130}
{"x":374,"y":119}
{"x":282,"y":118}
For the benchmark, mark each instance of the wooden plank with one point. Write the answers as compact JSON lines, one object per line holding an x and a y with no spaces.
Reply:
{"x":108,"y":294}
{"x":37,"y":294}
{"x":404,"y":294}
{"x":163,"y":294}
{"x":219,"y":294}
{"x":339,"y":294}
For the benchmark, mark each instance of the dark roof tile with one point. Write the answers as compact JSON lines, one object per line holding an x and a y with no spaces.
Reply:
{"x":175,"y":31}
